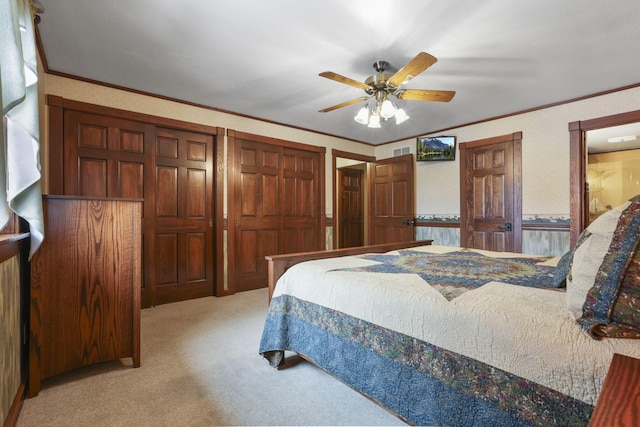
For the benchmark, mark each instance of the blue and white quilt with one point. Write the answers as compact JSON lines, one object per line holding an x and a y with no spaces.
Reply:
{"x":467,"y":350}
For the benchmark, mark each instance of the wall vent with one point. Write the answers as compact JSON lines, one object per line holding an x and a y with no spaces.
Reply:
{"x":401,"y":151}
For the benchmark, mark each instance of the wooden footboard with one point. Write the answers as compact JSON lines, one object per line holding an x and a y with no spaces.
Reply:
{"x":278,"y":264}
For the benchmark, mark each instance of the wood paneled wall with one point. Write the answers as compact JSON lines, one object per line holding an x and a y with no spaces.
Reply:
{"x":13,"y":284}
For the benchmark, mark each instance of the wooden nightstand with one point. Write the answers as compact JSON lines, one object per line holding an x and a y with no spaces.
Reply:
{"x":619,"y":400}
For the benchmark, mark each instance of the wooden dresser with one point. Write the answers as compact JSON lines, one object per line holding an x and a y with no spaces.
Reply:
{"x":619,"y":400}
{"x":85,"y":286}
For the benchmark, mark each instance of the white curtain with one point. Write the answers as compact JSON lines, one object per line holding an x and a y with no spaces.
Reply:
{"x":20,"y":185}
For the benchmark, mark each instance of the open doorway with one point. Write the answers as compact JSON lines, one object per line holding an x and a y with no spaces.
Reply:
{"x":350,"y":199}
{"x":580,"y":132}
{"x":350,"y":219}
{"x":613,"y":167}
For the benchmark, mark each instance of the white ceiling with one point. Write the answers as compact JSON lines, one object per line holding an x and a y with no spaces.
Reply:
{"x":261,"y":58}
{"x":598,"y":139}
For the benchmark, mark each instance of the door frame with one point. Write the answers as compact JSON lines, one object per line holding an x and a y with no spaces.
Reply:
{"x":466,"y":223}
{"x":334,"y":215}
{"x":578,"y":194}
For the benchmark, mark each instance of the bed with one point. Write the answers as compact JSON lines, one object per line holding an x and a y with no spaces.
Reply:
{"x":454,"y":336}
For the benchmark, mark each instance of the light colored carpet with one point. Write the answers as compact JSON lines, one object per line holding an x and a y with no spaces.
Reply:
{"x":201,"y":367}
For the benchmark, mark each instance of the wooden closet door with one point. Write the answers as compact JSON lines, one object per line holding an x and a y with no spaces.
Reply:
{"x":172,"y":170}
{"x":180,"y":256}
{"x":300,"y":193}
{"x":277,"y":207}
{"x":257,"y":210}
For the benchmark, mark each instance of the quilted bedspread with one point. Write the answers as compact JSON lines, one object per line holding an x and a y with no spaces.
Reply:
{"x":443,"y":336}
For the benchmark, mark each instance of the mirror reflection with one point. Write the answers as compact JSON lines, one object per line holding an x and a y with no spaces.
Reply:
{"x":613,"y":167}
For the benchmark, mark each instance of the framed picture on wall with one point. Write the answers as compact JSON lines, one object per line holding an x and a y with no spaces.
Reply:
{"x":433,"y":148}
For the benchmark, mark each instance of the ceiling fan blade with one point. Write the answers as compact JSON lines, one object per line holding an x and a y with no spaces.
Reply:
{"x":345,"y":104}
{"x":342,"y":79}
{"x":425,"y":95}
{"x":421,"y":62}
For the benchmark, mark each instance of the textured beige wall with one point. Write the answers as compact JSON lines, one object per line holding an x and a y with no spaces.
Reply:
{"x":545,"y":155}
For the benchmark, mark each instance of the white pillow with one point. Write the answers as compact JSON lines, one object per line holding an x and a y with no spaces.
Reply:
{"x":588,"y":257}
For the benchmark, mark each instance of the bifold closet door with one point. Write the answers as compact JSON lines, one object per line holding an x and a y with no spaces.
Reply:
{"x":277,"y":207}
{"x":172,"y":170}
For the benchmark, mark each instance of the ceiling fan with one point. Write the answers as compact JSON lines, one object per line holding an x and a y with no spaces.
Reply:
{"x":380,"y":86}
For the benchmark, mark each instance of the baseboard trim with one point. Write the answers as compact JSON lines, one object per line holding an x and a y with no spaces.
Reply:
{"x":16,"y":407}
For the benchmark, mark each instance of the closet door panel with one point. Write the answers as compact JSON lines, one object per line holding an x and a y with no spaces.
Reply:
{"x":130,"y":179}
{"x":196,"y":194}
{"x":257,"y":212}
{"x":301,"y":208}
{"x":92,"y":177}
{"x":166,"y":256}
{"x":196,"y":261}
{"x":166,"y":192}
{"x":184,"y":209}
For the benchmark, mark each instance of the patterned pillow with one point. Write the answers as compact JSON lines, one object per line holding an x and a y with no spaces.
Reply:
{"x":588,"y":255}
{"x":562,"y":270}
{"x":603,"y":287}
{"x":625,"y":312}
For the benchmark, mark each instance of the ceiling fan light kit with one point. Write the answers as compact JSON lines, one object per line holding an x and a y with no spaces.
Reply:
{"x":401,"y":116}
{"x":371,"y":114}
{"x":380,"y":86}
{"x":374,"y":121}
{"x":387,"y":109}
{"x":362,"y":116}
